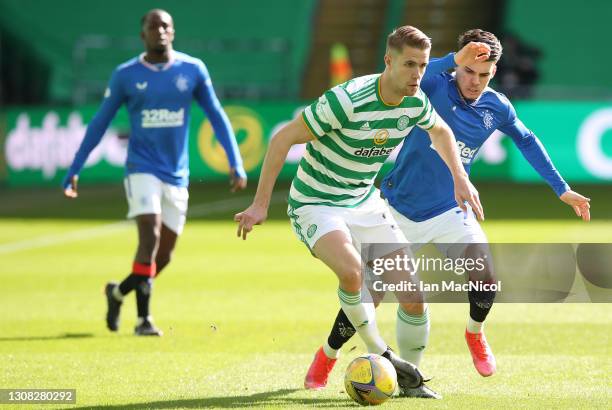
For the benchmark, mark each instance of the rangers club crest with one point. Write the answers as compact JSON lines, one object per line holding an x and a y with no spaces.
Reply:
{"x":487,"y":119}
{"x":181,"y":83}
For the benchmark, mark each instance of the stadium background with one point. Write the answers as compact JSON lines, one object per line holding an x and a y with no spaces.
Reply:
{"x":57,"y":57}
{"x":267,"y":60}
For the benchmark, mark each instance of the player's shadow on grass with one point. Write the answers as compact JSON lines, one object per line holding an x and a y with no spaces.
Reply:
{"x":38,"y":338}
{"x":266,"y":399}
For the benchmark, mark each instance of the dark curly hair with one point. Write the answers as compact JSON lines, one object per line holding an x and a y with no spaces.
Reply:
{"x":482,"y":36}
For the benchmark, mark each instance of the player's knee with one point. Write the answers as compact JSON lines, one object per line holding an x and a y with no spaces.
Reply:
{"x":415,"y":309}
{"x":482,"y":269}
{"x":350,"y":279}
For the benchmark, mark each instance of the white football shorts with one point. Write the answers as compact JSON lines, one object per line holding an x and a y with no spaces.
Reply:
{"x":147,"y":194}
{"x":368,"y":222}
{"x":452,"y":227}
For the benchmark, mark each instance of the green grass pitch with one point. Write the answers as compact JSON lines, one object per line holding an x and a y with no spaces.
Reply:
{"x":242,"y":320}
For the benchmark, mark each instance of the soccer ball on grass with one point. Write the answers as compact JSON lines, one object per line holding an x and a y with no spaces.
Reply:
{"x":370,"y":379}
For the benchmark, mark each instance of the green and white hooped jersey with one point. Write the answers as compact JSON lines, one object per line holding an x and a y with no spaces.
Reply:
{"x":356,"y":131}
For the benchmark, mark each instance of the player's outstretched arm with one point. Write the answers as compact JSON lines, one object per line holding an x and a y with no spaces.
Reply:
{"x":534,"y":152}
{"x":445,"y":144}
{"x":207,"y":99}
{"x":295,"y":132}
{"x":113,"y":98}
{"x":579,"y":203}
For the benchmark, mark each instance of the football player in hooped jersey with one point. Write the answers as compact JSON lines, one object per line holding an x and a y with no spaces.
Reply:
{"x":333,"y":204}
{"x":157,"y":88}
{"x":419,"y":190}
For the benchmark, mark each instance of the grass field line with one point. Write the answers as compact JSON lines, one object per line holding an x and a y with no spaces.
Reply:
{"x":110,"y":228}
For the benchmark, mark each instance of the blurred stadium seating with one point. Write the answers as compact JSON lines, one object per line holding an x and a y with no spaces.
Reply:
{"x":80,"y":43}
{"x":573,"y":39}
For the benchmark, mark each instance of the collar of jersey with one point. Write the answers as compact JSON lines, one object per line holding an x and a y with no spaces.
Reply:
{"x":379,"y":95}
{"x":457,"y":96}
{"x":153,"y":67}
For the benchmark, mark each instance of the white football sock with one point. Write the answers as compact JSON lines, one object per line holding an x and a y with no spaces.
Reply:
{"x":364,"y":323}
{"x":474,"y":326}
{"x":412,"y":332}
{"x":330,"y":352}
{"x":117,"y":294}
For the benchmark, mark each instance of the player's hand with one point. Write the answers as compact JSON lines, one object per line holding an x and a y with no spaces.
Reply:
{"x":253,"y":215}
{"x":579,"y":203}
{"x":465,"y":192}
{"x":237,"y":181}
{"x":472,"y":52}
{"x":70,"y":191}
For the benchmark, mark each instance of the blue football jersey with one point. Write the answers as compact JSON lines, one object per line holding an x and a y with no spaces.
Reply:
{"x":158,"y":100}
{"x":420,"y":185}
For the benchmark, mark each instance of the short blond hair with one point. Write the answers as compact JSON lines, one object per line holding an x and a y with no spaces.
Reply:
{"x":408,"y":36}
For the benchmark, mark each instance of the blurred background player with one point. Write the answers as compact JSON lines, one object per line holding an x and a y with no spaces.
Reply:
{"x":158,"y":88}
{"x":419,"y":190}
{"x":334,"y":206}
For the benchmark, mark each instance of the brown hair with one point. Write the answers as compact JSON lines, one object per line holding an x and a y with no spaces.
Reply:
{"x":482,"y":36}
{"x":408,"y":36}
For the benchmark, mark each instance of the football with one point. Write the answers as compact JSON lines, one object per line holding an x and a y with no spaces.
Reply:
{"x":370,"y":380}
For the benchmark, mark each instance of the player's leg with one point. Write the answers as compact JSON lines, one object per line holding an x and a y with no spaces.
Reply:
{"x":143,"y":271}
{"x":174,"y":208}
{"x":342,"y":329}
{"x":369,"y":224}
{"x":143,"y":193}
{"x":460,"y":235}
{"x":412,"y":321}
{"x":167,"y":243}
{"x":149,"y":234}
{"x":412,"y":318}
{"x":341,"y":332}
{"x":336,"y":250}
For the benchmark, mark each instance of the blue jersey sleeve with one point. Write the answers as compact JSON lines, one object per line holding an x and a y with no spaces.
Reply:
{"x":533,"y":151}
{"x":437,"y":66}
{"x":113,"y":98}
{"x":206,"y":97}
